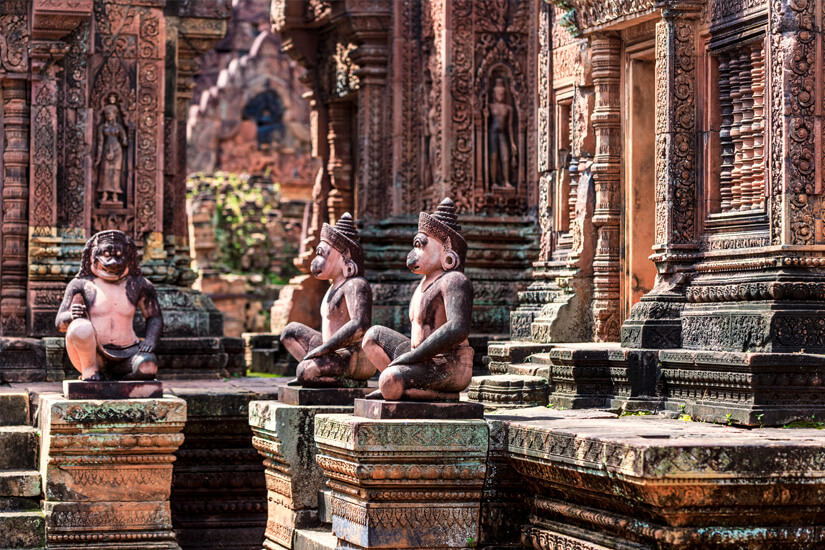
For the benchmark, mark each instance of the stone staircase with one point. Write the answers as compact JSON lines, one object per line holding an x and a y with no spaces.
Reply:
{"x":22,"y":524}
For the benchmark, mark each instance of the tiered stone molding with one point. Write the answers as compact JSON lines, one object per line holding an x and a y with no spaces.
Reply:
{"x":107,"y":471}
{"x":403,"y":484}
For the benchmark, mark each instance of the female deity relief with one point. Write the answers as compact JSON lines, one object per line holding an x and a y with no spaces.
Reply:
{"x":111,"y":139}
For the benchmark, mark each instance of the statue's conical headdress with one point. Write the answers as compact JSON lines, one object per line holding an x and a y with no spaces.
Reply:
{"x":344,"y":238}
{"x":443,"y":225}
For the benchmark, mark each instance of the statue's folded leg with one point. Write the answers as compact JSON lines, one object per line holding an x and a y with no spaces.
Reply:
{"x":382,"y":345}
{"x":81,"y":345}
{"x":440,"y":379}
{"x":143,"y":366}
{"x":300,"y":339}
{"x":326,"y":371}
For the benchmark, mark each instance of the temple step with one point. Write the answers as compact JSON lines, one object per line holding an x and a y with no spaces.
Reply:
{"x":22,"y":525}
{"x":18,"y":448}
{"x":14,"y":409}
{"x":19,"y":483}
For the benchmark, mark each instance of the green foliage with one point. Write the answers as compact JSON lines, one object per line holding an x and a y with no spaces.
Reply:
{"x":636,"y":413}
{"x":245,"y":209}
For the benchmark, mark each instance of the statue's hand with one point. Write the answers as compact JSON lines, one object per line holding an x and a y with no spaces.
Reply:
{"x":146,"y":347}
{"x":78,"y":311}
{"x":404,"y":359}
{"x":317,"y":352}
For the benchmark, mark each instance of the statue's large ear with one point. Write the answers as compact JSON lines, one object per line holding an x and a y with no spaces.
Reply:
{"x":350,"y":267}
{"x":450,"y":260}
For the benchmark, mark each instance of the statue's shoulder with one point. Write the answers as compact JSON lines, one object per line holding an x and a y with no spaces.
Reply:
{"x":140,"y":285}
{"x":453,"y":279}
{"x":78,"y":284}
{"x":359,"y":283}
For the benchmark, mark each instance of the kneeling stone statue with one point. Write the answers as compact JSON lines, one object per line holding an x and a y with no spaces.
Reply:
{"x":330,"y":358}
{"x":98,"y":309}
{"x":437,"y":362}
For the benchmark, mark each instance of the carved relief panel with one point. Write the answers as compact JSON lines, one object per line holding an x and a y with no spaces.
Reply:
{"x":126,"y":104}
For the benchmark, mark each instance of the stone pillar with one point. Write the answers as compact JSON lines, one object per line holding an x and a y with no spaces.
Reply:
{"x":406,"y":483}
{"x":15,"y":227}
{"x":340,"y":160}
{"x":606,"y":59}
{"x":283,"y":434}
{"x":107,"y":471}
{"x":655,"y":321}
{"x":373,"y":178}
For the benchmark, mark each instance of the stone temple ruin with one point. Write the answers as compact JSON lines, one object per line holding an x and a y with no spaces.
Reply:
{"x":639,"y":184}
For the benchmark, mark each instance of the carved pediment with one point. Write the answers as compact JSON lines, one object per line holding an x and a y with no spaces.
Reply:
{"x":585,"y":15}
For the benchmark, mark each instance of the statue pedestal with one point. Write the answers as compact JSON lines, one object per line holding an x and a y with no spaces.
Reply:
{"x":107,"y":471}
{"x":284,"y":435}
{"x":403,"y":483}
{"x":131,"y":389}
{"x":298,"y":395}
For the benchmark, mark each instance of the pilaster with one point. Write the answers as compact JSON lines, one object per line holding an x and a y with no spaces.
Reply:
{"x":655,"y":321}
{"x":606,"y":59}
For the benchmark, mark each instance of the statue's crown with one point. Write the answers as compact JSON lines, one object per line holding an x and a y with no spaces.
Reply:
{"x":110,"y":236}
{"x":443,"y":225}
{"x":344,"y":238}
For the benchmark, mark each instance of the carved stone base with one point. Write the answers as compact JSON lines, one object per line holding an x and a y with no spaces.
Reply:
{"x":403,"y":484}
{"x":753,"y":389}
{"x":107,"y":471}
{"x":580,"y":376}
{"x":603,"y":375}
{"x":22,"y":360}
{"x":508,"y":391}
{"x":648,"y":482}
{"x":283,"y":435}
{"x":766,"y":326}
{"x":654,"y":323}
{"x":78,"y":389}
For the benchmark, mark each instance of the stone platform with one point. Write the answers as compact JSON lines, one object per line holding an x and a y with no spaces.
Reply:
{"x":396,"y":410}
{"x":640,"y":482}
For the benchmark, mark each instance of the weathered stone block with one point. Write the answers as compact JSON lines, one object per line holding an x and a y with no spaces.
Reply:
{"x":508,"y":391}
{"x":754,"y":389}
{"x":403,"y":483}
{"x":648,"y":482}
{"x":107,"y":470}
{"x":283,"y":434}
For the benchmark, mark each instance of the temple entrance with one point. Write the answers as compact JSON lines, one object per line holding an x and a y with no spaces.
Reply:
{"x":638,"y":200}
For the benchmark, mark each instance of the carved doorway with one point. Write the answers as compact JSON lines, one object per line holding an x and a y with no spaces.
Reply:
{"x":638,"y":211}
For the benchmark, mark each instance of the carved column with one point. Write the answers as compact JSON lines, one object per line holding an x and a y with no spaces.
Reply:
{"x":606,"y":59}
{"x":655,"y":322}
{"x":373,"y":177}
{"x":15,"y":206}
{"x":340,"y":159}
